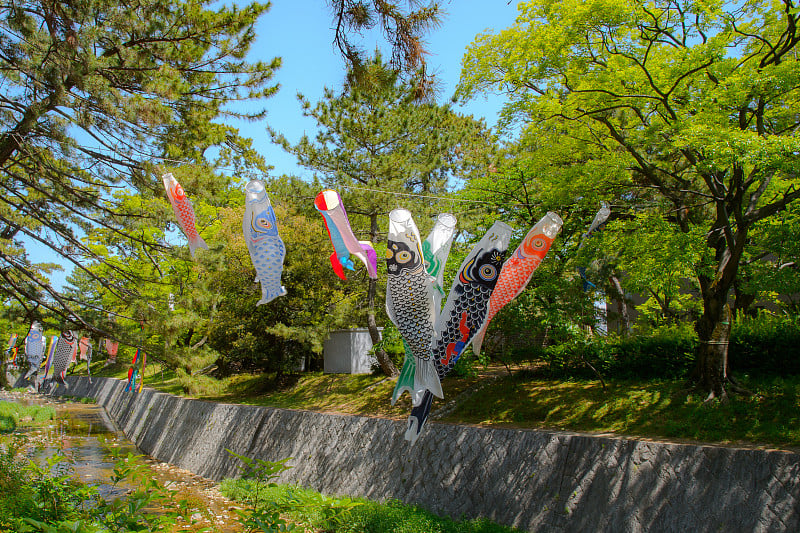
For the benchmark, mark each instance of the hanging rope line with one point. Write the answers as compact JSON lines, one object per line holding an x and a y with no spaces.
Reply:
{"x":416,"y":195}
{"x":351,"y":187}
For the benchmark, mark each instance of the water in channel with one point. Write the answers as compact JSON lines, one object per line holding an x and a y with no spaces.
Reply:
{"x":86,"y":434}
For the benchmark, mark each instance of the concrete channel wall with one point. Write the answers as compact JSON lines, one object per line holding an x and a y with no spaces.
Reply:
{"x":533,"y":480}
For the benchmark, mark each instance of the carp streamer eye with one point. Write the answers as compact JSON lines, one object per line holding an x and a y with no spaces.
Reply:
{"x":403,"y":256}
{"x":179,"y":193}
{"x":539,"y":243}
{"x":487,"y":272}
{"x":263,"y":223}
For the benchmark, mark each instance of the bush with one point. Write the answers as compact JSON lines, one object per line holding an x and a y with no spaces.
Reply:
{"x":766,"y":344}
{"x":50,"y":498}
{"x":199,"y":386}
{"x":392,"y":343}
{"x":665,"y":353}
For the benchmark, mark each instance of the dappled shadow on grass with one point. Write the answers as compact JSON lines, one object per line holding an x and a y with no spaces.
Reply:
{"x":655,"y":409}
{"x":645,"y":409}
{"x":362,"y":394}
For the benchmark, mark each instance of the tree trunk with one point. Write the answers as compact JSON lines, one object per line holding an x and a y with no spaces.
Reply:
{"x":380,"y":354}
{"x":711,"y":372}
{"x":713,"y":328}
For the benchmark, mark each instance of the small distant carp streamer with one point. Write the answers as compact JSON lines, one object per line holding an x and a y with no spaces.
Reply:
{"x":410,"y":303}
{"x":136,"y":374}
{"x":518,"y":270}
{"x":85,"y":348}
{"x":66,"y":348}
{"x":600,"y":220}
{"x":435,"y":250}
{"x":12,"y":341}
{"x":330,"y":206}
{"x":267,"y":250}
{"x":463,"y":313}
{"x":184,"y":212}
{"x":34,"y":349}
{"x":50,"y":355}
{"x":112,"y":347}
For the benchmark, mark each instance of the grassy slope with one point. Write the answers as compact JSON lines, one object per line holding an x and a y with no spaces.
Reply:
{"x":13,"y":414}
{"x":647,"y":409}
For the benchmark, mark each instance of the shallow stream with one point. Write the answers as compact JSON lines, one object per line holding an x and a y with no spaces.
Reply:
{"x":86,"y":434}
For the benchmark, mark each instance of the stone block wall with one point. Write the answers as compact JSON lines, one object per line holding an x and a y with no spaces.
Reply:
{"x":533,"y":480}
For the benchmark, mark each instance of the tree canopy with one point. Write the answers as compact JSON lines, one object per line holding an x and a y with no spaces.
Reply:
{"x":685,"y":108}
{"x":94,"y":95}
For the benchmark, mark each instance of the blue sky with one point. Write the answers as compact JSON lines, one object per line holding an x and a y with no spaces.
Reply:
{"x":300,"y":32}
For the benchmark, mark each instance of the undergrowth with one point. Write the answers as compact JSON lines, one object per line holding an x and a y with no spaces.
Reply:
{"x":269,"y":505}
{"x":12,"y":414}
{"x":48,"y":497}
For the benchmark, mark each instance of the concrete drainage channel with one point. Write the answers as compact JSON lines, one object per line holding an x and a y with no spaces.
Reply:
{"x":532,"y":480}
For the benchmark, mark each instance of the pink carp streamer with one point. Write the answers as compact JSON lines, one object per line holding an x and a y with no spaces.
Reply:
{"x":518,"y":269}
{"x":184,"y":212}
{"x":330,"y":206}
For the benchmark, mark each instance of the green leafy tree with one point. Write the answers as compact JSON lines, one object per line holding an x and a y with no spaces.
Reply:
{"x":695,"y":102}
{"x":375,"y":139}
{"x":278,"y":335}
{"x":174,"y":303}
{"x":769,"y":271}
{"x":93,"y":94}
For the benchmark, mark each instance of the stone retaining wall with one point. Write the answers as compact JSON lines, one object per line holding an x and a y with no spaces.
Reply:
{"x":533,"y":480}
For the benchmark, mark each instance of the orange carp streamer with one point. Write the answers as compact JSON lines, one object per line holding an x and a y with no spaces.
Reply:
{"x":184,"y":212}
{"x":518,"y":269}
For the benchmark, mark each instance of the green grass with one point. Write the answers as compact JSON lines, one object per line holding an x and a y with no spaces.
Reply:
{"x":357,"y":515}
{"x":13,"y":415}
{"x":654,"y":409}
{"x":650,"y":409}
{"x":363,"y":394}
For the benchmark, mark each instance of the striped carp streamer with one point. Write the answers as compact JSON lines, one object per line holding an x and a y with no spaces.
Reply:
{"x":66,"y":348}
{"x":435,"y":250}
{"x":330,"y":206}
{"x":463,"y":313}
{"x":266,"y":248}
{"x":141,"y":376}
{"x":184,"y":212}
{"x":410,"y":303}
{"x":12,"y":341}
{"x":13,"y":359}
{"x":518,"y":270}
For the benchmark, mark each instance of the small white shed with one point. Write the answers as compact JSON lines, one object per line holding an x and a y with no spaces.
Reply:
{"x":345,"y":352}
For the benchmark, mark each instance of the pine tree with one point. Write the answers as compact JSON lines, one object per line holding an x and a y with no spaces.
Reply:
{"x":376,"y":140}
{"x":93,"y":94}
